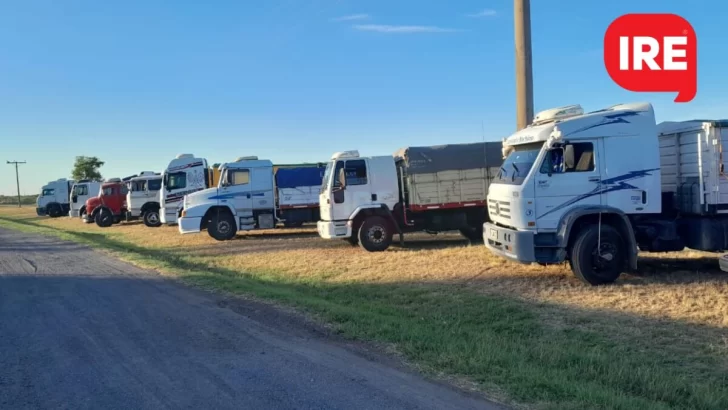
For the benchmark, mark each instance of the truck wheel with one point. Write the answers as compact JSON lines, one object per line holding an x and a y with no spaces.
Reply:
{"x":222,"y":227}
{"x":472,"y":234}
{"x":151,"y":218}
{"x":375,"y":234}
{"x":104,"y":218}
{"x":597,"y":260}
{"x":54,"y":210}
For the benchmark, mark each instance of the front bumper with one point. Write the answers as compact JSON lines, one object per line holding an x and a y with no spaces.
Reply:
{"x":74,"y":213}
{"x":41,"y":211}
{"x":333,"y":229}
{"x":189,"y":225}
{"x":509,"y":243}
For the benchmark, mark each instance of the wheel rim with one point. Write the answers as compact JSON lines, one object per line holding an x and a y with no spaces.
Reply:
{"x":223,"y":227}
{"x":605,"y":258}
{"x":376,"y":234}
{"x":153,"y":217}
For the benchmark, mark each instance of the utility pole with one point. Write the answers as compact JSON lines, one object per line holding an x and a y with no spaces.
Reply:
{"x":17,"y":178}
{"x":524,"y":72}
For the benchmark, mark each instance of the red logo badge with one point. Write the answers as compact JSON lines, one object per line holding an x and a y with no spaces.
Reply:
{"x":653,"y":52}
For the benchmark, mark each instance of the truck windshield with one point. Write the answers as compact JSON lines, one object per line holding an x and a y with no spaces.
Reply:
{"x":48,"y":192}
{"x":327,"y":174}
{"x":519,"y":162}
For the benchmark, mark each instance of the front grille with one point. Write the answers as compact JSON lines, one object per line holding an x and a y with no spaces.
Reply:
{"x":499,"y":208}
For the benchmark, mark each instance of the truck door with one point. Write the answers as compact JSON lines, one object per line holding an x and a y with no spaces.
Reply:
{"x":350,"y":188}
{"x":237,"y":191}
{"x":563,"y":183}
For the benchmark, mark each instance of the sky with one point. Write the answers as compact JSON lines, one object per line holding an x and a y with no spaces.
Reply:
{"x":137,"y":82}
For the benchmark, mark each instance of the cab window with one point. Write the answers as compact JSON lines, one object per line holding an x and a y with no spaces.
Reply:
{"x":154,"y":184}
{"x":238,"y":177}
{"x":80,"y":190}
{"x":553,"y":162}
{"x":48,"y":192}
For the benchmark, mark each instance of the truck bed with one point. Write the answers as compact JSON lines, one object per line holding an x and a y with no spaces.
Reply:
{"x":448,"y":176}
{"x":692,"y":165}
{"x":448,"y":189}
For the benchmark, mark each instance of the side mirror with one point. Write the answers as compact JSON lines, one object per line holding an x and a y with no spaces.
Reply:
{"x":568,"y":157}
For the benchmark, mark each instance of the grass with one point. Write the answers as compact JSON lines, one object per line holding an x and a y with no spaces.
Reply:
{"x":530,"y":336}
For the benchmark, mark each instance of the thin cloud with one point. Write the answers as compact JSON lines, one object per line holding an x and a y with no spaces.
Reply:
{"x":351,"y":17}
{"x":379,"y":28}
{"x":483,"y":13}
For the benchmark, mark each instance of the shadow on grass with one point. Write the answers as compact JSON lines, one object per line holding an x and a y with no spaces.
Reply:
{"x":592,"y":361}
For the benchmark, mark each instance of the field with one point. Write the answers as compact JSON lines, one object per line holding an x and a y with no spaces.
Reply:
{"x":13,"y":200}
{"x":525,"y":335}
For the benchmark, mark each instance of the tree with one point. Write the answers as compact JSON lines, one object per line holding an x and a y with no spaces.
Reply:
{"x":87,"y":168}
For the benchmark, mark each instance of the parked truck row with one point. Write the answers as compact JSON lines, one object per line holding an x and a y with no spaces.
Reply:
{"x":588,"y":188}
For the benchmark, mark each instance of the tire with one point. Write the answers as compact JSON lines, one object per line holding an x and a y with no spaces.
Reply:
{"x":472,"y":234}
{"x":82,"y":213}
{"x":54,"y":211}
{"x":222,"y":226}
{"x":353,"y":240}
{"x":104,"y":218}
{"x":587,"y":265}
{"x":375,"y":234}
{"x":151,"y":218}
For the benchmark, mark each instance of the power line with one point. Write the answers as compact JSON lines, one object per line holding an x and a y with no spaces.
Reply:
{"x":17,"y":178}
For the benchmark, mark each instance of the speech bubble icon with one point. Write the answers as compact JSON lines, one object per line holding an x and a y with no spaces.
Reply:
{"x":653,"y":53}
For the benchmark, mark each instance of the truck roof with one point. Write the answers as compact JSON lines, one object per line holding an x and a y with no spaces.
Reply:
{"x":146,"y":178}
{"x":184,"y":161}
{"x":254,"y":163}
{"x":616,"y":114}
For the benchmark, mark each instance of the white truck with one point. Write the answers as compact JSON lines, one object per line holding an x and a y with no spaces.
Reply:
{"x":142,"y":200}
{"x":82,"y":190}
{"x":54,"y":198}
{"x":184,"y":175}
{"x":244,"y":200}
{"x":594,"y":188}
{"x":253,"y":194}
{"x":365,"y":200}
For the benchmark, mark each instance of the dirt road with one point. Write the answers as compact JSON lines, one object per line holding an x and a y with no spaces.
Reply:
{"x":82,"y":330}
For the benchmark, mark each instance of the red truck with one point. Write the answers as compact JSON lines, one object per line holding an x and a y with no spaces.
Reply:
{"x":110,"y":206}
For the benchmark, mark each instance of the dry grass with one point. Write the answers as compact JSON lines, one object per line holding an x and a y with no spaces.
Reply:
{"x":679,"y":301}
{"x":686,"y":286}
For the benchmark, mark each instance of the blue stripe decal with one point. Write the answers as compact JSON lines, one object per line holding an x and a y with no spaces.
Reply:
{"x":618,"y":183}
{"x":236,"y":194}
{"x":609,"y":119}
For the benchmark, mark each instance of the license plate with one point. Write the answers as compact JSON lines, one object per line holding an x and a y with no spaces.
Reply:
{"x":493,"y":234}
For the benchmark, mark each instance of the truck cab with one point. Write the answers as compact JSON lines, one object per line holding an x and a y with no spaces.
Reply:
{"x":109,"y":207}
{"x":54,"y":197}
{"x":356,"y":187}
{"x":143,"y":198}
{"x":243,"y":200}
{"x":184,"y":175}
{"x":570,"y":187}
{"x":80,"y":193}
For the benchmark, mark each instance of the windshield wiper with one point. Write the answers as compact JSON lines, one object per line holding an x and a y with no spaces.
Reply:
{"x":513,"y":164}
{"x":503,"y":172}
